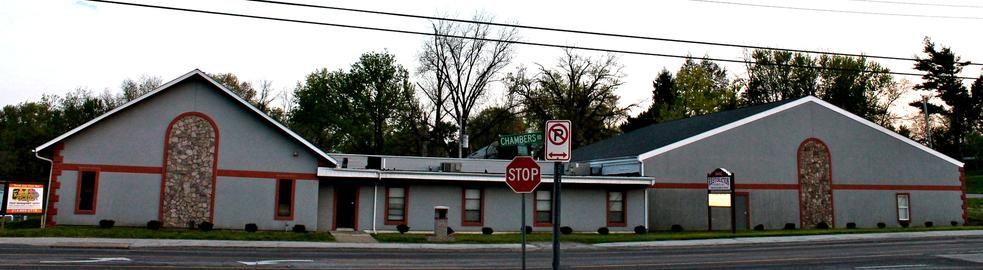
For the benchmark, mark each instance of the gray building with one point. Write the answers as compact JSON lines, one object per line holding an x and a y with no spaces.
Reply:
{"x":192,"y":151}
{"x":801,"y":161}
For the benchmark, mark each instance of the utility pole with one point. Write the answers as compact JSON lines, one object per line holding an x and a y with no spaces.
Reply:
{"x":928,"y":126}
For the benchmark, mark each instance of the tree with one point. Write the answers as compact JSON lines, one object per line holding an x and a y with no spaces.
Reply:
{"x":494,"y":121}
{"x":778,"y":75}
{"x":465,"y":66}
{"x":355,"y":111}
{"x":855,"y":85}
{"x":133,"y":89}
{"x":961,"y":110}
{"x":663,"y":98}
{"x":578,"y":88}
{"x":702,"y":87}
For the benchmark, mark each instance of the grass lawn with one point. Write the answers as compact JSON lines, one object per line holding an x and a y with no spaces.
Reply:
{"x":139,"y":232}
{"x":591,"y":238}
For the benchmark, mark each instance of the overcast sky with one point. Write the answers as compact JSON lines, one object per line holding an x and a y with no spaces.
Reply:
{"x":55,"y":46}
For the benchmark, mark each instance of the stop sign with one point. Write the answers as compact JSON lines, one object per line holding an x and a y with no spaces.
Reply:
{"x":522,"y":174}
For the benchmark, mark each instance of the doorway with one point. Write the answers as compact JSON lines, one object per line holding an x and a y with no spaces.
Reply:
{"x":346,"y":207}
{"x":742,"y":211}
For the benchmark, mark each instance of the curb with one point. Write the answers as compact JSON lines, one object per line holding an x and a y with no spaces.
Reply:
{"x":795,"y":239}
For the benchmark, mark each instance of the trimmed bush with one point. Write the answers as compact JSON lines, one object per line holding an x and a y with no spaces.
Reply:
{"x":640,"y":229}
{"x":153,"y":225}
{"x":881,"y":225}
{"x":929,"y":224}
{"x":206,"y":226}
{"x":676,"y":228}
{"x":904,"y":223}
{"x":487,"y":231}
{"x":603,"y":231}
{"x":759,"y":227}
{"x":566,"y":230}
{"x":251,"y":227}
{"x":450,"y":231}
{"x":822,"y":226}
{"x":402,"y":228}
{"x":851,"y":225}
{"x":789,"y":226}
{"x":106,"y":223}
{"x":954,"y":223}
{"x":299,"y":228}
{"x":529,"y":229}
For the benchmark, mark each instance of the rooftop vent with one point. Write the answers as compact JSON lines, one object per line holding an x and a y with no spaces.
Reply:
{"x":450,"y":166}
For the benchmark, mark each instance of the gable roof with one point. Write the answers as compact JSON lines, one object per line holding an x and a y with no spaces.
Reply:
{"x":166,"y":86}
{"x":656,"y":139}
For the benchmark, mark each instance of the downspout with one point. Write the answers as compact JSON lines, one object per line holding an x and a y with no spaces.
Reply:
{"x":641,"y":172}
{"x":47,"y":190}
{"x":375,"y":199}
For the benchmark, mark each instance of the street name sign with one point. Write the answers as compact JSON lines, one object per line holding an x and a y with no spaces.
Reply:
{"x":520,"y":139}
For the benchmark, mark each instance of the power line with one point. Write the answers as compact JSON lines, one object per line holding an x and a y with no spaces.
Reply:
{"x":542,"y":28}
{"x":494,"y":40}
{"x":841,"y":11}
{"x":919,"y":4}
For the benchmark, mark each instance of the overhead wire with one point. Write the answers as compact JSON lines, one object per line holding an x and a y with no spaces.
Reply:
{"x":573,"y":31}
{"x":840,"y":10}
{"x":538,"y":44}
{"x":920,"y":4}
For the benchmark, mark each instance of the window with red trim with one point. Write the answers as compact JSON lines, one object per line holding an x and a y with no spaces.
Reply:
{"x":284,"y":199}
{"x":616,"y":209}
{"x":904,"y":206}
{"x":395,"y":205}
{"x":543,"y":208}
{"x":87,"y":191}
{"x":473,"y":207}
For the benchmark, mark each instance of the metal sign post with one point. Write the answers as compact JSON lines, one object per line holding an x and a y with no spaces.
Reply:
{"x":523,"y":175}
{"x":558,"y":140}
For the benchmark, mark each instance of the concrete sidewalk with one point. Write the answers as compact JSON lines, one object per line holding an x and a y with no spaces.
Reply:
{"x":109,"y":243}
{"x":974,"y":196}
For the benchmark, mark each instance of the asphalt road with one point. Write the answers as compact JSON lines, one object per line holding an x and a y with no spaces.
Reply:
{"x":934,"y":253}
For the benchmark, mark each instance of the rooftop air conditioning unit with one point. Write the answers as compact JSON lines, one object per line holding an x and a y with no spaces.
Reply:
{"x":374,"y":163}
{"x":450,"y":166}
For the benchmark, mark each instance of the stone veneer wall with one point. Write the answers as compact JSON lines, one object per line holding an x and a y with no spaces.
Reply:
{"x":816,"y":194}
{"x":189,"y":172}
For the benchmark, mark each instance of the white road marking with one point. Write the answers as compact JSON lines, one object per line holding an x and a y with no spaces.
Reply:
{"x":92,"y":260}
{"x":893,"y":266}
{"x":270,"y":262}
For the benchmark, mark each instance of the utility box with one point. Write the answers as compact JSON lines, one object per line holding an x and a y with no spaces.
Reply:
{"x":440,"y":225}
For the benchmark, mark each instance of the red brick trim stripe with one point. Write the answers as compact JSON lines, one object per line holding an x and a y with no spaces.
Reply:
{"x":113,"y":168}
{"x":896,"y":187}
{"x":270,"y":175}
{"x":762,"y":186}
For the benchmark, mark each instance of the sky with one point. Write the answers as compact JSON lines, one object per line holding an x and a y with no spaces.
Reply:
{"x":55,"y":46}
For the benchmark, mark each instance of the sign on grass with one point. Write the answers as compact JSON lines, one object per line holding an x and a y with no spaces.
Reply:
{"x":25,"y":199}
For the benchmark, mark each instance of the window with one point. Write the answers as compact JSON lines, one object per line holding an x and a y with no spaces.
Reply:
{"x":904,"y":207}
{"x":86,"y":192}
{"x":543,"y":208}
{"x":284,"y":199}
{"x":395,"y":205}
{"x":616,"y":209}
{"x":473,"y":204}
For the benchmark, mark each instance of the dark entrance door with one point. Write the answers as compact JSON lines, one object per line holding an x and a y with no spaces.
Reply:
{"x":346,"y":206}
{"x":742,"y":215}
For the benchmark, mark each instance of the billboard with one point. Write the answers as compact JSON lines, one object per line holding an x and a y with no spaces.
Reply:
{"x":25,"y":199}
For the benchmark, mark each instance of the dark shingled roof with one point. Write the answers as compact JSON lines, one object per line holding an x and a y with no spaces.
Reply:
{"x":639,"y":141}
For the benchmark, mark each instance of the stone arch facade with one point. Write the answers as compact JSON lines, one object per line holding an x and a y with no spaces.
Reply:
{"x":190,"y":167}
{"x":815,"y":171}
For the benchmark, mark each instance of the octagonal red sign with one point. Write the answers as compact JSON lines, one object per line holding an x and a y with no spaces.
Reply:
{"x":523,"y":174}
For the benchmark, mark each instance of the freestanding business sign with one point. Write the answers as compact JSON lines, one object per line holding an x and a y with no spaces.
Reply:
{"x":558,"y":138}
{"x":25,"y":199}
{"x":720,"y":193}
